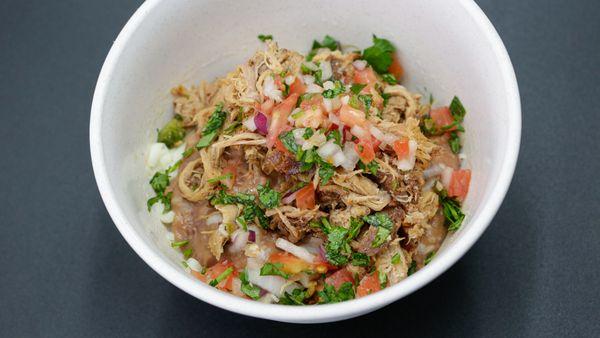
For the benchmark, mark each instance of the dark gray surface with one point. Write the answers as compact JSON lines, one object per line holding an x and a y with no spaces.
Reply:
{"x":66,"y":271}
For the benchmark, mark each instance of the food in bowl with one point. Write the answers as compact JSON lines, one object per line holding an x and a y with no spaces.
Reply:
{"x":308,"y":179}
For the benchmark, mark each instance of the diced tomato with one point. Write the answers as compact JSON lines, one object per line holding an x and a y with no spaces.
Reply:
{"x":459,"y":183}
{"x":267,"y":107}
{"x":290,"y":263}
{"x":365,"y":151}
{"x":368,"y":285}
{"x":305,"y":197}
{"x":230,"y":169}
{"x":401,"y":147}
{"x":442,"y":117}
{"x":352,"y":117}
{"x":214,"y":272}
{"x":279,"y":118}
{"x":396,"y":68}
{"x":339,"y":277}
{"x":279,"y":146}
{"x":297,"y":87}
{"x":367,"y":77}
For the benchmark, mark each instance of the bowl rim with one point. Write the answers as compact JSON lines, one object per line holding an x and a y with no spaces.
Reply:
{"x":327,"y":312}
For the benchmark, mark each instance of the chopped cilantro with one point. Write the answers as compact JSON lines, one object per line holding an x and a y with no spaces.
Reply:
{"x":412,"y":268}
{"x":337,"y":90}
{"x":429,"y":257}
{"x":268,"y":197}
{"x":354,"y":228}
{"x":172,"y":132}
{"x":220,"y":178}
{"x":326,"y":171}
{"x":179,"y":244}
{"x":211,"y":129}
{"x":308,"y":132}
{"x":242,"y":222}
{"x":296,"y":297}
{"x":221,"y":277}
{"x":379,"y":56}
{"x":336,"y":136}
{"x":248,"y":288}
{"x":371,"y":167}
{"x":263,"y":37}
{"x":328,"y":42}
{"x":389,"y":78}
{"x":396,"y":258}
{"x":221,"y":197}
{"x":360,"y":259}
{"x":331,"y":295}
{"x":159,"y":183}
{"x":383,"y":280}
{"x":357,"y":88}
{"x":457,"y":109}
{"x":188,"y":253}
{"x":385,"y":97}
{"x":384,"y":225}
{"x":337,"y":248}
{"x":289,"y":142}
{"x":452,"y":212}
{"x":454,"y":142}
{"x":273,"y":269}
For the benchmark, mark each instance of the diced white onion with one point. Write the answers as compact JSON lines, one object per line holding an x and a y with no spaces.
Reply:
{"x":326,"y":71}
{"x":316,"y":140}
{"x":351,"y":156}
{"x":193,"y":264}
{"x":223,"y":229}
{"x":167,"y":217}
{"x":155,"y":152}
{"x":308,"y":79}
{"x":170,"y":236}
{"x":273,"y":284}
{"x":289,"y":80}
{"x":345,"y":99}
{"x":334,"y":119}
{"x":271,"y":91}
{"x":409,"y":162}
{"x":214,"y":218}
{"x":328,"y":85}
{"x":299,"y":135}
{"x":165,"y":160}
{"x":446,"y":175}
{"x":359,"y":64}
{"x":433,"y":170}
{"x":328,"y":104}
{"x":239,"y":238}
{"x":295,"y":250}
{"x":314,"y":89}
{"x":378,"y":134}
{"x":359,"y":132}
{"x":336,"y":103}
{"x":313,"y":244}
{"x":269,"y":298}
{"x":338,"y":158}
{"x":249,"y":123}
{"x":328,"y":149}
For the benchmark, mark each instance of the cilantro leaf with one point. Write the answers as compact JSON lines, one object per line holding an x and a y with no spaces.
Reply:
{"x":308,"y":132}
{"x":337,"y":90}
{"x":248,"y":288}
{"x":379,"y":56}
{"x":384,"y":225}
{"x":326,"y":171}
{"x":389,"y":78}
{"x":337,"y":248}
{"x":263,"y":37}
{"x":210,"y":131}
{"x":220,"y":178}
{"x":331,"y":295}
{"x":429,"y":257}
{"x":371,"y":167}
{"x":357,"y":88}
{"x":383,"y":280}
{"x":270,"y":198}
{"x":457,"y":109}
{"x":396,"y":258}
{"x":328,"y":42}
{"x":179,"y":244}
{"x":171,"y":133}
{"x":454,"y":142}
{"x":296,"y":297}
{"x":360,"y":259}
{"x":452,"y":212}
{"x":273,"y":269}
{"x":289,"y":142}
{"x":336,"y":136}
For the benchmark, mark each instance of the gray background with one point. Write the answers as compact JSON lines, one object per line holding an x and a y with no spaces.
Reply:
{"x":66,"y":271}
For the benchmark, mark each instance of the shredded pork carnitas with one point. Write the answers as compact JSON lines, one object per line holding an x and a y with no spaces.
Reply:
{"x":356,"y":176}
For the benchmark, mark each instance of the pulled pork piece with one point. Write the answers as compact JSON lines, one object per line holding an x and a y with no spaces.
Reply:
{"x":341,"y":217}
{"x":193,"y":179}
{"x":293,"y":222}
{"x":189,"y":103}
{"x":405,"y":188}
{"x":364,"y":242}
{"x":341,"y":64}
{"x":394,"y":272}
{"x":402,"y":104}
{"x":443,"y":153}
{"x":330,"y":196}
{"x":418,"y":215}
{"x":362,"y":191}
{"x":219,"y":236}
{"x":280,"y":162}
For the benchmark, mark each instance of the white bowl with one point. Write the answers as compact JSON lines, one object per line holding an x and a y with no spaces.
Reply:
{"x":449,"y":47}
